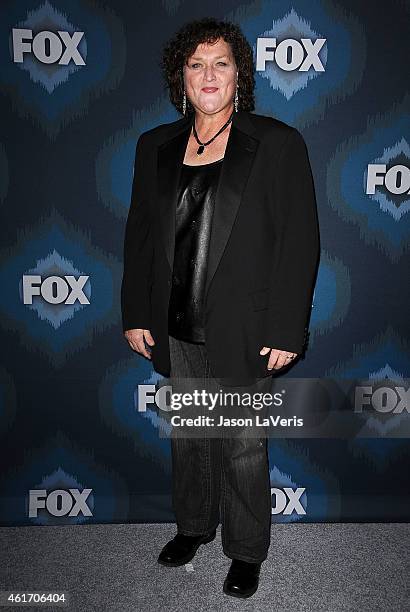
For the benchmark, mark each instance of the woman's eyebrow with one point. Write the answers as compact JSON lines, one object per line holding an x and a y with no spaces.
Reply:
{"x":196,"y":57}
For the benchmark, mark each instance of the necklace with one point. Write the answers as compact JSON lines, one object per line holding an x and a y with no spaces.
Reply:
{"x":202,"y":145}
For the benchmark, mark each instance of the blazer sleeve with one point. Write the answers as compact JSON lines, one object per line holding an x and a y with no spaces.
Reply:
{"x":297,"y":249}
{"x":138,"y":250}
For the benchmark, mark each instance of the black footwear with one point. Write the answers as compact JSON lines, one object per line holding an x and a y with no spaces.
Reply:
{"x":182,"y":548}
{"x":242,"y":579}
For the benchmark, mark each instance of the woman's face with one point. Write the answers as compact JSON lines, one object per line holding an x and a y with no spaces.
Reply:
{"x":210,"y":77}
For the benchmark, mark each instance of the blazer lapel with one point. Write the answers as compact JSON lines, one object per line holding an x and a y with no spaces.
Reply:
{"x":169,"y":164}
{"x":239,"y":156}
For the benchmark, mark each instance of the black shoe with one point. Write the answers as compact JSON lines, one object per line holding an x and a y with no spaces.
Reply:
{"x":182,"y":548}
{"x":242,"y":579}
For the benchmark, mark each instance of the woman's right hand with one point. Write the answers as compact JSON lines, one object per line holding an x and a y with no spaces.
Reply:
{"x":135,"y":338}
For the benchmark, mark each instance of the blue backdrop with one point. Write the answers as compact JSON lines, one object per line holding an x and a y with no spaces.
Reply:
{"x":80,"y":80}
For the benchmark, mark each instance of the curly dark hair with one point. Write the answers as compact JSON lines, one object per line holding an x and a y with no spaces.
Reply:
{"x":177,"y":51}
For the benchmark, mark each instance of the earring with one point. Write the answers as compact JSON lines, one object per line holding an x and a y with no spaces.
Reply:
{"x":184,"y":103}
{"x":236,"y":102}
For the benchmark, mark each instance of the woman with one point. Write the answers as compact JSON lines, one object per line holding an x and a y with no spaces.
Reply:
{"x":221,"y":250}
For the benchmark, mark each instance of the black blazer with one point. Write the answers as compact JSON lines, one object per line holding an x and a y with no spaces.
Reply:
{"x":264,"y":245}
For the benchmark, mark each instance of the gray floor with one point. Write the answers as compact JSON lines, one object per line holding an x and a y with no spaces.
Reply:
{"x":311,"y":567}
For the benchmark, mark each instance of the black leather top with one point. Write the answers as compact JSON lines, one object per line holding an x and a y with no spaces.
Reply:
{"x":195,"y":203}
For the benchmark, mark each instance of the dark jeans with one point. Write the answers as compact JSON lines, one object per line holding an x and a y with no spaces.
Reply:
{"x":220,"y":478}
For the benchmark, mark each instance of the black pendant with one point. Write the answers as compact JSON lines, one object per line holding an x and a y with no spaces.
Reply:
{"x":200,"y":150}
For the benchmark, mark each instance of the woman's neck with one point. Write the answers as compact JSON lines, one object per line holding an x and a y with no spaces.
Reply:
{"x":207,"y":125}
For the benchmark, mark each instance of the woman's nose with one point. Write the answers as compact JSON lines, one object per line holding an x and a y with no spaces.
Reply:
{"x":209,"y":73}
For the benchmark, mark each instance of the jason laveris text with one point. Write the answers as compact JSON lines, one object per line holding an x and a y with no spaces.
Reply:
{"x":258,"y":421}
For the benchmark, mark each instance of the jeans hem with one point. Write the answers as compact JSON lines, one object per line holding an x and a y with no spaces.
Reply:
{"x":196,"y":535}
{"x":244,"y":558}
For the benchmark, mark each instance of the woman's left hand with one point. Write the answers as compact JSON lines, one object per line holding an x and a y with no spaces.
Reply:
{"x":277,"y":358}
